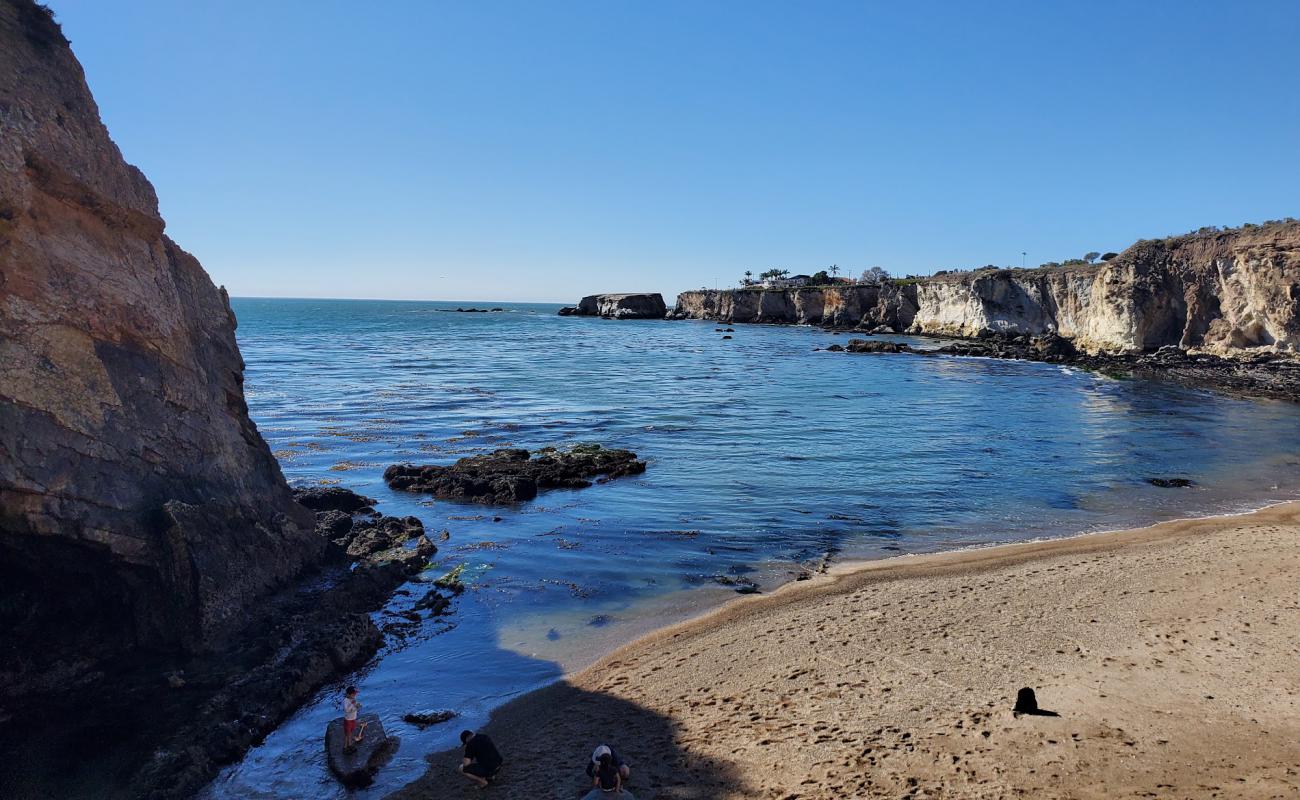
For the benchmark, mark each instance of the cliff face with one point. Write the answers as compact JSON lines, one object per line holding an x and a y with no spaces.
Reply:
{"x":623,"y":306}
{"x":139,"y":506}
{"x":1217,"y":292}
{"x":1222,"y":293}
{"x":865,"y":306}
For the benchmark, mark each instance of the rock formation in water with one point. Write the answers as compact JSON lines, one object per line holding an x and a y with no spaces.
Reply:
{"x":512,"y":476}
{"x":620,"y":306}
{"x":1223,"y":292}
{"x":139,"y":506}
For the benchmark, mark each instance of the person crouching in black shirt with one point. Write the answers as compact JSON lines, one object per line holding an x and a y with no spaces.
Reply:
{"x":482,"y":761}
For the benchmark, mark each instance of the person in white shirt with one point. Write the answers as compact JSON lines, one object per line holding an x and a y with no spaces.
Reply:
{"x":351,"y":707}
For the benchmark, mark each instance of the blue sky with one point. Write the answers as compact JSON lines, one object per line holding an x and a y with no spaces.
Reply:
{"x":541,"y":151}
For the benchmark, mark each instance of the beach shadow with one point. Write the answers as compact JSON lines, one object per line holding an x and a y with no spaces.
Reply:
{"x":546,"y":738}
{"x":1027,"y":705}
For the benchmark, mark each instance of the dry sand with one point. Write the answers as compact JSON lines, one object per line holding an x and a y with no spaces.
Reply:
{"x":1171,"y":653}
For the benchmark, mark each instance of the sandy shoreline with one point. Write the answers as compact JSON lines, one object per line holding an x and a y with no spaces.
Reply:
{"x":1171,"y":652}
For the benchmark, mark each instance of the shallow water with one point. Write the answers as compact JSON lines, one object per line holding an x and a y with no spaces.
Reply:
{"x":763,"y":453}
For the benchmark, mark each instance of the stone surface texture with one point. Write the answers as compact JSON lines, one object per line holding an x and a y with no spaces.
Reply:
{"x":622,"y":306}
{"x":136,"y":496}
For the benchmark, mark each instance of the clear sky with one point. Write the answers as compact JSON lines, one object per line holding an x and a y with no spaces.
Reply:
{"x":545,"y":150}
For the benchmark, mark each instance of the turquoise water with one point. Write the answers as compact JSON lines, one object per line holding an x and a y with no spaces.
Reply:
{"x":763,"y":455}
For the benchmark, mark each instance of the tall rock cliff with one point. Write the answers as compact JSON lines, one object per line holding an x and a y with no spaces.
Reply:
{"x":139,"y":506}
{"x":1222,"y":292}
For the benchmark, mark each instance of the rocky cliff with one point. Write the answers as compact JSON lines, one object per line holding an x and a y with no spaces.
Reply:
{"x":865,"y":306}
{"x":139,"y":506}
{"x":1223,"y":292}
{"x":622,"y":306}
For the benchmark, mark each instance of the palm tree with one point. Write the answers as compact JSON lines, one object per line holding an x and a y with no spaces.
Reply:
{"x":834,"y":270}
{"x":749,"y":277}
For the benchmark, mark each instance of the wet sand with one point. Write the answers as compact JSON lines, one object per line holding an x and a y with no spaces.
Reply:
{"x":1171,"y":653}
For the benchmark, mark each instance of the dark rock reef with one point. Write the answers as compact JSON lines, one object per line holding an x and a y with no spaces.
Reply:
{"x":1264,"y":374}
{"x":514,"y":475}
{"x":876,"y":346}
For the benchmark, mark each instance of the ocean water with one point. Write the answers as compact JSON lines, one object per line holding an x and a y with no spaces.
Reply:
{"x":764,"y":455}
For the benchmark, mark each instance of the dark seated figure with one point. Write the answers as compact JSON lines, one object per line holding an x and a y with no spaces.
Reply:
{"x":482,"y":760}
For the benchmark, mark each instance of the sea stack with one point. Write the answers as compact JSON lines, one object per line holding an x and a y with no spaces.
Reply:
{"x":622,"y":306}
{"x":140,"y":505}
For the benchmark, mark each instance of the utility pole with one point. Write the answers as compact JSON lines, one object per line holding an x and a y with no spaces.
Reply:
{"x":1022,"y":259}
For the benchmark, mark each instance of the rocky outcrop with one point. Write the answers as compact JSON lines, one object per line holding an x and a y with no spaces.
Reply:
{"x":139,"y":506}
{"x":876,"y":346}
{"x":620,"y":306}
{"x":866,"y":306}
{"x":514,"y":475}
{"x":1223,"y":292}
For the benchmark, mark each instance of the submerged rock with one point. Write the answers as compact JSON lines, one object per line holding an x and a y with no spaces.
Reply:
{"x":423,"y":719}
{"x":1171,"y":483}
{"x":514,"y":475}
{"x":742,"y":585}
{"x":356,"y":767}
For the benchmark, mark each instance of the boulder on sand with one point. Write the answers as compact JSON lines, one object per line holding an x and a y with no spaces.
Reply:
{"x":357,"y":767}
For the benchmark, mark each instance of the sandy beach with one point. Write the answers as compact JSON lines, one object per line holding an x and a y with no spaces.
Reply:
{"x":1171,"y":654}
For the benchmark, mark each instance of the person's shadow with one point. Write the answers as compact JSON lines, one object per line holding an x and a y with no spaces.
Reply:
{"x":546,"y":738}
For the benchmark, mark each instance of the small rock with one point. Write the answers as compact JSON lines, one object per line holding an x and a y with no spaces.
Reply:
{"x":357,"y":766}
{"x":423,"y":719}
{"x":1171,"y":483}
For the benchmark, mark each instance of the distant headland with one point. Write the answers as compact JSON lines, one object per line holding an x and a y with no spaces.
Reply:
{"x":1219,"y":307}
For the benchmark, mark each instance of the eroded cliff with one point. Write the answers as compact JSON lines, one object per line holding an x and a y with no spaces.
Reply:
{"x":139,"y":506}
{"x":866,"y":306}
{"x":1228,"y":292}
{"x":1218,"y":292}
